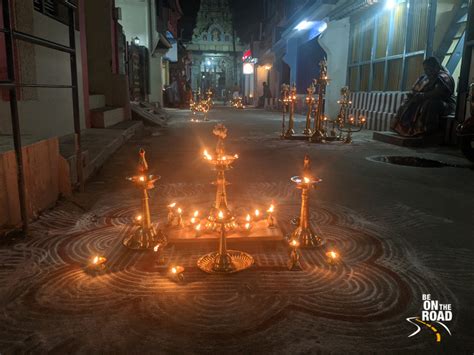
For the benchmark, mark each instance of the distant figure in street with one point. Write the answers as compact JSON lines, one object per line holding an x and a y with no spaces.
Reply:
{"x":432,"y":96}
{"x":266,"y":94}
{"x":266,"y":91}
{"x":235,"y":91}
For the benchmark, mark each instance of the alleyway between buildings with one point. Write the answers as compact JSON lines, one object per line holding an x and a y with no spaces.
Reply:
{"x":401,"y":232}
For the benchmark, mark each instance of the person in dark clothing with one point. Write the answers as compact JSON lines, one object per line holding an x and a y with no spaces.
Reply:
{"x":432,"y":96}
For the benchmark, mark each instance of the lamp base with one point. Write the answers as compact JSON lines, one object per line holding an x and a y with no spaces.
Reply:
{"x":145,"y":238}
{"x":307,"y":237}
{"x":233,"y":261}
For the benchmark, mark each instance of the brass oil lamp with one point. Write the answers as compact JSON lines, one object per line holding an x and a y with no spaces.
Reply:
{"x":304,"y":233}
{"x":224,"y":261}
{"x":146,"y":236}
{"x":291,"y":120}
{"x":322,"y":82}
{"x":285,"y":100}
{"x":221,"y":162}
{"x":348,"y":124}
{"x":310,"y":102}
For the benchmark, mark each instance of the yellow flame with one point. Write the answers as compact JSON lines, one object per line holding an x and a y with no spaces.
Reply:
{"x":294,"y":243}
{"x":95,"y":260}
{"x":247,"y":218}
{"x":236,"y":156}
{"x":139,"y":217}
{"x":221,"y":214}
{"x":196,"y":213}
{"x":198,"y":227}
{"x":171,"y":205}
{"x":141,"y":178}
{"x":174,"y":270}
{"x":156,"y":247}
{"x":247,"y":225}
{"x":271,"y":209}
{"x":193,"y":220}
{"x":306,"y":180}
{"x":333,"y":254}
{"x":257,"y":213}
{"x":180,"y":210}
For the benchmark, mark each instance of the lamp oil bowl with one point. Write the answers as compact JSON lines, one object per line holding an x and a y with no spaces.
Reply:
{"x":97,"y":263}
{"x":146,"y":236}
{"x":176,"y":273}
{"x":304,"y":232}
{"x":332,"y":257}
{"x":224,"y":261}
{"x":294,"y":262}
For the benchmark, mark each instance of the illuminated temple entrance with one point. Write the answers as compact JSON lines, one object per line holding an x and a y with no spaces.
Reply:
{"x":215,"y":49}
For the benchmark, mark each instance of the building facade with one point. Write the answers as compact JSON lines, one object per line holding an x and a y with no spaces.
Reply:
{"x":215,"y":49}
{"x":370,"y":45}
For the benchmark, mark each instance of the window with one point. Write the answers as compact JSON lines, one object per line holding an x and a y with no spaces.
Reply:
{"x":383,"y":25}
{"x":419,"y":25}
{"x":394,"y":74}
{"x":414,"y":70}
{"x":378,"y":80}
{"x":388,"y":46}
{"x":56,"y":10}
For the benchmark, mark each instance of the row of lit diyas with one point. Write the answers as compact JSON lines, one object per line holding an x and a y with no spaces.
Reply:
{"x":320,"y":132}
{"x":201,"y":105}
{"x":237,"y":103}
{"x":176,"y":219}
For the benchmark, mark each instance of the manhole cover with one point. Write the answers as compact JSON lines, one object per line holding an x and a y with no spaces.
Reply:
{"x":409,"y":161}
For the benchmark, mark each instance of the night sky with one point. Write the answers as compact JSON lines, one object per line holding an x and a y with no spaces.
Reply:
{"x":247,"y":15}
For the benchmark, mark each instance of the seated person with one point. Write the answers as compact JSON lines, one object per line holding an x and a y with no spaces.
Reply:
{"x":432,"y":96}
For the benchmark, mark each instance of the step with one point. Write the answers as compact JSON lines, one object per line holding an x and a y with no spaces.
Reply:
{"x":96,"y":101}
{"x":104,"y":117}
{"x":394,"y":138}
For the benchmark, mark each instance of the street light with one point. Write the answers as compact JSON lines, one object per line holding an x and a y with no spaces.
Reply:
{"x":136,"y":41}
{"x":304,"y":25}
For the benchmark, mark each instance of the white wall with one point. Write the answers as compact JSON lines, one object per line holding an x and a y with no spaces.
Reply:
{"x":134,"y":19}
{"x":48,"y":112}
{"x":335,"y":41}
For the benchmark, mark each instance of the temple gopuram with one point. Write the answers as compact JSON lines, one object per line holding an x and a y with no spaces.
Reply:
{"x":215,"y":49}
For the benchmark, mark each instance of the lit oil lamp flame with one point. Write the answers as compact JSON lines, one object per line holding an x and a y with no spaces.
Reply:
{"x":193,"y":220}
{"x":141,"y":178}
{"x":332,"y":254}
{"x":95,"y":260}
{"x":207,"y":155}
{"x":138,"y":217}
{"x":271,"y":209}
{"x":236,"y":156}
{"x":257,"y":213}
{"x":156,"y":247}
{"x":294,"y":243}
{"x":306,"y":180}
{"x":247,"y":218}
{"x":198,"y":227}
{"x":196,"y":213}
{"x":247,"y":226}
{"x":174,"y":270}
{"x":172,"y":205}
{"x":221,"y":215}
{"x":179,"y":210}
